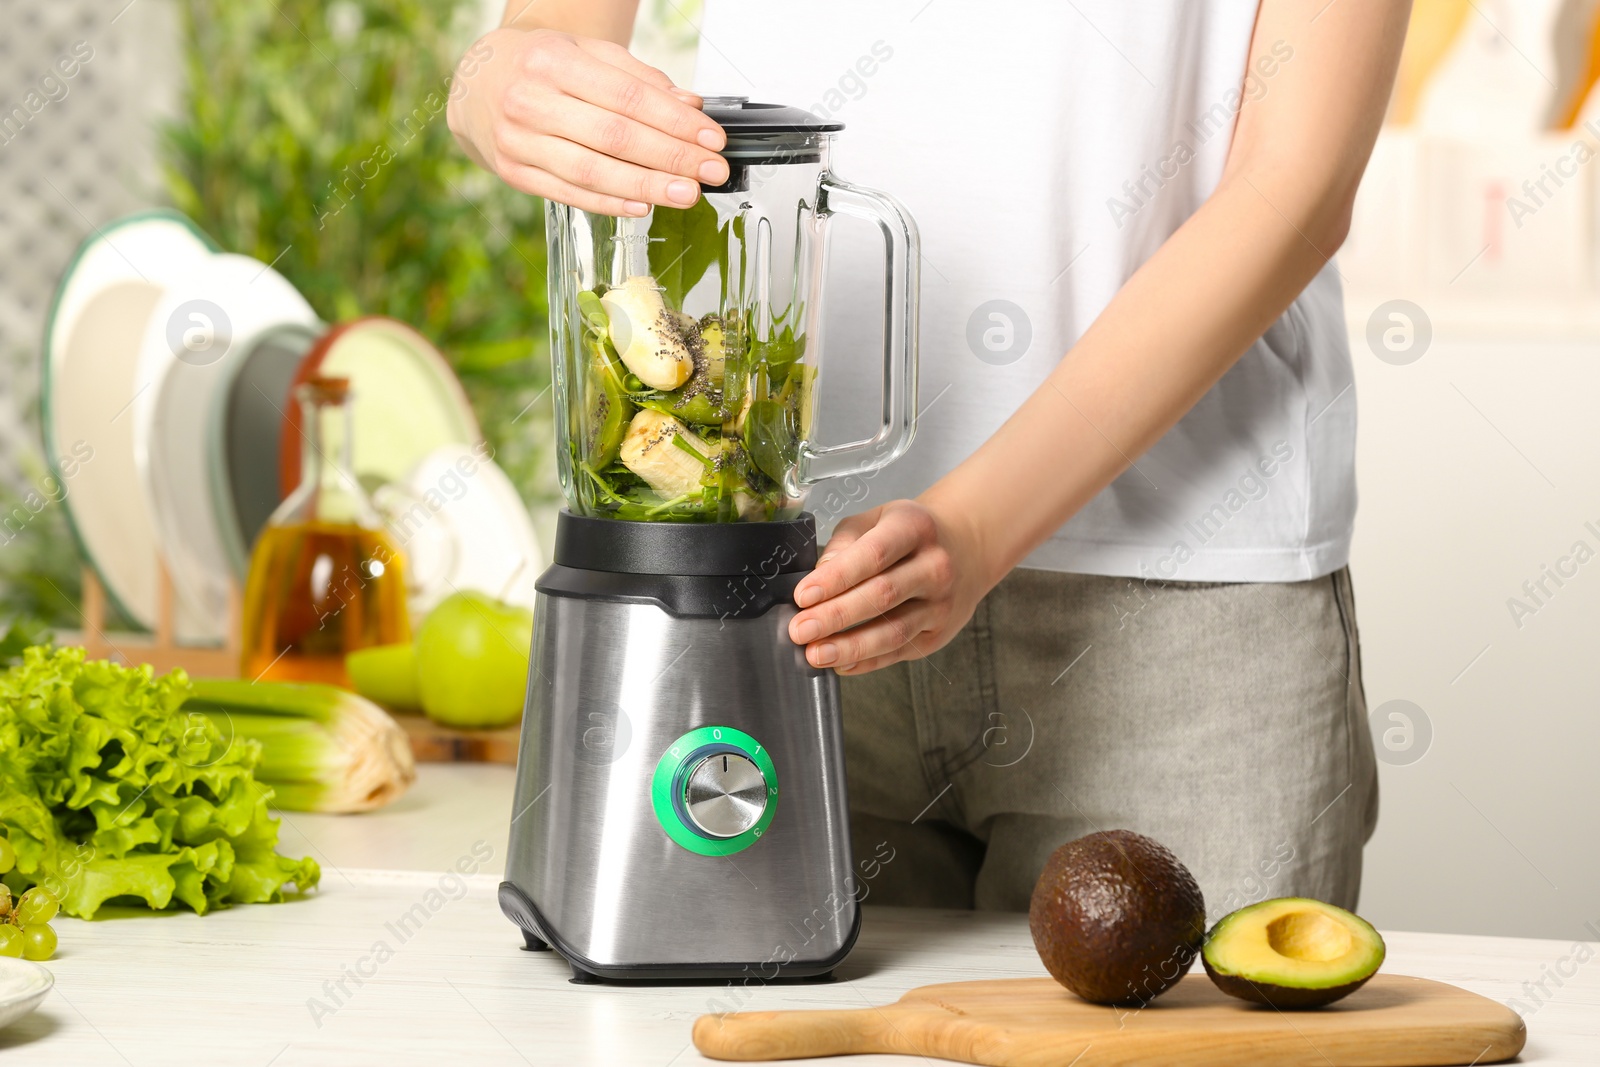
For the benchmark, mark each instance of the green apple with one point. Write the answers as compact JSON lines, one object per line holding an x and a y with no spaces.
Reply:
{"x":472,"y":660}
{"x":386,"y":674}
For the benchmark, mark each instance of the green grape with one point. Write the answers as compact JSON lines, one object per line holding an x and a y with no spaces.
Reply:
{"x":11,"y":940}
{"x":8,"y":855}
{"x":5,"y":900}
{"x":38,"y":905}
{"x":38,"y":942}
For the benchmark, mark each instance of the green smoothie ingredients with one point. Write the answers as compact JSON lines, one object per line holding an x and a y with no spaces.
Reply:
{"x":651,"y":341}
{"x":110,"y":791}
{"x":1292,"y":952}
{"x":679,"y":419}
{"x":322,"y":748}
{"x":1116,"y":917}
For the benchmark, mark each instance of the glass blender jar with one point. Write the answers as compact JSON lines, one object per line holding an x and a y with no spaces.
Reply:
{"x":686,"y":343}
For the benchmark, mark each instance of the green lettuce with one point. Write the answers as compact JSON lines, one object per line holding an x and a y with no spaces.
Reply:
{"x":108,"y":792}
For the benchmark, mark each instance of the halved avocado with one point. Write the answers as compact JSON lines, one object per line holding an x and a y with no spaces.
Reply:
{"x":1292,"y":952}
{"x":606,"y":408}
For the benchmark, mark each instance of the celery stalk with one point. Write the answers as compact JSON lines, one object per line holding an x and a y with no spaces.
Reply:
{"x":322,"y":748}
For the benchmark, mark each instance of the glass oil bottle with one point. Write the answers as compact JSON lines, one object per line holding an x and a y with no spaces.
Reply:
{"x":325,"y":577}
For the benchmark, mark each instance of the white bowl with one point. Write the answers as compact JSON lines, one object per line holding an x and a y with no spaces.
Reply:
{"x":22,"y":986}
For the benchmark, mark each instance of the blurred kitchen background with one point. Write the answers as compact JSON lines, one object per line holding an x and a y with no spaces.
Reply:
{"x":1473,"y":286}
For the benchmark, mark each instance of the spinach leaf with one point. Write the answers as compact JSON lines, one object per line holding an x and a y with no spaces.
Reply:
{"x":772,"y":437}
{"x":778,"y":354}
{"x":683,"y":245}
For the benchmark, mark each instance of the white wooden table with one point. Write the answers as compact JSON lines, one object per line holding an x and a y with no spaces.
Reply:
{"x":450,"y":806}
{"x":260,"y":985}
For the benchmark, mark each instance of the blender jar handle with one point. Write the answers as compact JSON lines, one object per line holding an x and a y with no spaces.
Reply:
{"x":902,"y":257}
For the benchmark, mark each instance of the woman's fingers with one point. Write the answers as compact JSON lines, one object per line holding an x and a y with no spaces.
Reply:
{"x":619,"y":135}
{"x":541,"y":183}
{"x":621,"y":93}
{"x":633,"y":142}
{"x":890,"y":535}
{"x":584,"y":114}
{"x":907,"y":651}
{"x":865,"y":601}
{"x":542,"y":92}
{"x":618,"y":56}
{"x":813,"y":587}
{"x":891,"y":585}
{"x":586,"y":169}
{"x":886,"y":635}
{"x":848,"y":532}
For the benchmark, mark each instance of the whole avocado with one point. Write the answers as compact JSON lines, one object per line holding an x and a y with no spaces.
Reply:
{"x":1116,"y":917}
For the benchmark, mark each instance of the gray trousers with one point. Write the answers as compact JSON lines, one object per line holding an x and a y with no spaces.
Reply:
{"x":1225,"y":720}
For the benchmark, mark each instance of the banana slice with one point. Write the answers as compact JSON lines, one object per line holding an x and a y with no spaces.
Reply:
{"x":650,"y":452}
{"x":749,"y":505}
{"x":647,"y":334}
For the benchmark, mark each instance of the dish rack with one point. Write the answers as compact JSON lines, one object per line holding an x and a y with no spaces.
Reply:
{"x":161,"y":649}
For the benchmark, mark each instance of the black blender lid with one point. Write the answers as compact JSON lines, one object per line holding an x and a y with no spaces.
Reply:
{"x":739,"y":117}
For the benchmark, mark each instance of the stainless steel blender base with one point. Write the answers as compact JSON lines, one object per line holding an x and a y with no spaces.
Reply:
{"x":608,"y":864}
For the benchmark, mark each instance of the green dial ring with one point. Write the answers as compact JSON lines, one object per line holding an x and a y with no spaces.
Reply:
{"x":676,"y":758}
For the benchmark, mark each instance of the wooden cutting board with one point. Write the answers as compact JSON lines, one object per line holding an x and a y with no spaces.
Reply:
{"x":1392,"y":1021}
{"x":433,"y":743}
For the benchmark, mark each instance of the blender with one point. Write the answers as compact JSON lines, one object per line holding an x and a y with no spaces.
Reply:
{"x":680,"y":805}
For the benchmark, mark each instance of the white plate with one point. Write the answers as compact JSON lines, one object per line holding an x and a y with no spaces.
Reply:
{"x":405,"y":401}
{"x":89,"y":383}
{"x":206,"y":323}
{"x":22,"y":986}
{"x":462,"y":525}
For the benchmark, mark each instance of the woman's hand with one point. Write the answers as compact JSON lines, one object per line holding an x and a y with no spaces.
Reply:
{"x":580,"y":121}
{"x":894,"y":583}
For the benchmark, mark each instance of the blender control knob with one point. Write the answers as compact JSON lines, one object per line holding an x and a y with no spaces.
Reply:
{"x":725,"y":794}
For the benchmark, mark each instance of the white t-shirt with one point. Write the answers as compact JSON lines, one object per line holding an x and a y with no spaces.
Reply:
{"x":1046,"y":150}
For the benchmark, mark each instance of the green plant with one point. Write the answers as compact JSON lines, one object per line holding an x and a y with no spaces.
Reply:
{"x":313,"y":136}
{"x":39,"y":564}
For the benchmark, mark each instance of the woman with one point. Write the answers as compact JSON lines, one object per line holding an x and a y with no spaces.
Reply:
{"x":1107,"y":586}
